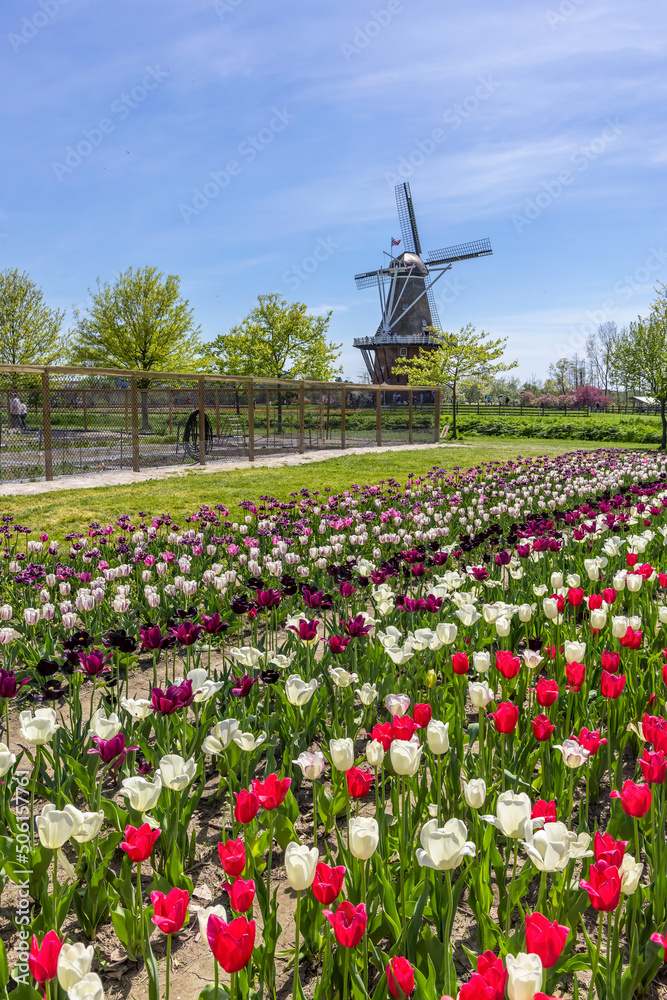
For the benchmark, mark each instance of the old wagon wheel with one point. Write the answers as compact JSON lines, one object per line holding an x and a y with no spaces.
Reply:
{"x":191,"y":436}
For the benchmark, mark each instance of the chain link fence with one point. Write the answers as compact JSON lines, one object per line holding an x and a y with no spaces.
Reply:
{"x":61,"y":421}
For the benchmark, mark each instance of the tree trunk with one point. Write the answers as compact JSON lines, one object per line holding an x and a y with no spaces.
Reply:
{"x":663,"y":445}
{"x":454,"y":411}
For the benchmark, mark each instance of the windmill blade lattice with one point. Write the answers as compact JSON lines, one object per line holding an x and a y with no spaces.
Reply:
{"x":406,"y":217}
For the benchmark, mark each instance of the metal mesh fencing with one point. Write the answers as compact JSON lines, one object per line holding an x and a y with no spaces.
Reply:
{"x":60,"y":422}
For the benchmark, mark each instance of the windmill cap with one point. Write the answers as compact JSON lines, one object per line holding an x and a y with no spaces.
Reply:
{"x":410,"y":259}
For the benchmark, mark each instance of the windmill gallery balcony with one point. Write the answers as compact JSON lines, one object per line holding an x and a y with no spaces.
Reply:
{"x":420,"y":339}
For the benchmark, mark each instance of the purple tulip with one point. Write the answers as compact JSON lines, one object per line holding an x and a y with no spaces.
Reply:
{"x":268,"y":598}
{"x":152,"y":638}
{"x":212,"y":624}
{"x":174,"y":698}
{"x":111,"y":751}
{"x":243,"y":686}
{"x":316,"y":599}
{"x":9,"y":685}
{"x":356,"y":626}
{"x":187,"y":633}
{"x":306,"y":630}
{"x":94,"y":662}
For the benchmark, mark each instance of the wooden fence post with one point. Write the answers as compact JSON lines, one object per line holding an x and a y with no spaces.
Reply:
{"x":409,"y":416}
{"x":127,"y":411}
{"x":217,"y":412}
{"x":268,"y":415}
{"x":302,"y":413}
{"x":342,"y":416}
{"x":135,"y":424}
{"x":436,"y":416}
{"x":202,"y":423}
{"x":85,"y":409}
{"x":378,"y":417}
{"x":251,"y":421}
{"x":170,"y":400}
{"x":46,"y":421}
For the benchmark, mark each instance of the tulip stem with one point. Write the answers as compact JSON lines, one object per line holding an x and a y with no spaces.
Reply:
{"x":596,"y":957}
{"x":215,"y":978}
{"x":55,"y":884}
{"x":447,"y":932}
{"x":402,"y":855}
{"x":315,"y":813}
{"x":608,"y":969}
{"x":346,"y":962}
{"x":480,"y":739}
{"x":166,"y":981}
{"x":297,"y":920}
{"x":508,"y":916}
{"x":35,"y":776}
{"x":139,"y":908}
{"x":363,"y":900}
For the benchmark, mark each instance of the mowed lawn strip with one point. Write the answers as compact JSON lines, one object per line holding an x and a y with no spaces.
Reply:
{"x":63,"y":511}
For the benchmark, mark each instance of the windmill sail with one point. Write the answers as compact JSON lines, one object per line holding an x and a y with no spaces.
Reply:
{"x":406,"y":215}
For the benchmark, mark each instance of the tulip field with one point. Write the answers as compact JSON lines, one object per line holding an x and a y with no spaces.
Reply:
{"x":412,"y":736}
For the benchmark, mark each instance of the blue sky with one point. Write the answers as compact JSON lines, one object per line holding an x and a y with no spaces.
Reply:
{"x":228,"y":141}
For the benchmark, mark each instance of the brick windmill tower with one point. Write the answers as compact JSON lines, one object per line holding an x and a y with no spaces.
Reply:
{"x":409,"y":314}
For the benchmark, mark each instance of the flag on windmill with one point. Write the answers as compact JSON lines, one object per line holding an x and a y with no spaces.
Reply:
{"x":394,"y":241}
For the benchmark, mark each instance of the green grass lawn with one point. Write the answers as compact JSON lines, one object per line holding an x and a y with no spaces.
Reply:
{"x":69,"y":510}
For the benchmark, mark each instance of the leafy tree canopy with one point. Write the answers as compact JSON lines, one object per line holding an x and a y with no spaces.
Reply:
{"x":29,"y":329}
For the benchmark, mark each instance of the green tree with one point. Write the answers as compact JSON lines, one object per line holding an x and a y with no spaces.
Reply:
{"x":467,"y":356}
{"x":140,"y":322}
{"x":278,"y":340}
{"x":29,"y":330}
{"x":640,"y":357}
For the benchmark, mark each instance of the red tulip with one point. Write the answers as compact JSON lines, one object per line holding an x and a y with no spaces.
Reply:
{"x":630,"y":558}
{"x":271,"y":792}
{"x":400,"y":977}
{"x":542,"y":727}
{"x":422,"y":714}
{"x":328,"y":882}
{"x":43,"y":961}
{"x":247,"y":806}
{"x":139,"y":842}
{"x":635,"y":799}
{"x":460,"y":664}
{"x":507,"y":664}
{"x":612,"y":685}
{"x":654,"y":766}
{"x":610,"y":661}
{"x":403,"y":728}
{"x":381,"y":733}
{"x":349,"y":923}
{"x":609,"y":595}
{"x":545,"y":939}
{"x":492,"y":970}
{"x":170,"y":910}
{"x":664,"y":673}
{"x":604,"y":887}
{"x":506,"y":718}
{"x":575,"y":597}
{"x":231,"y":943}
{"x":358,"y":782}
{"x":544,"y":810}
{"x":607,"y":849}
{"x":631,"y":639}
{"x":241,"y":894}
{"x":232,"y":856}
{"x":576,"y":674}
{"x":476,"y":988}
{"x":590,"y":740}
{"x":660,"y":939}
{"x":594,"y":602}
{"x":546,"y":692}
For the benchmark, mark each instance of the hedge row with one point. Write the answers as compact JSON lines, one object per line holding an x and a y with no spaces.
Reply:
{"x":631,"y":429}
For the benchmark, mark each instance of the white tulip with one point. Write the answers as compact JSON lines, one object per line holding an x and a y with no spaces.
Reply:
{"x":364,"y":837}
{"x":341,"y":677}
{"x":138,"y":708}
{"x":176,"y":773}
{"x":298,"y":691}
{"x":574,"y":651}
{"x":374,"y":753}
{"x":397,"y":704}
{"x":74,"y":962}
{"x":311,"y":764}
{"x":631,"y":874}
{"x":474,"y":792}
{"x":524,"y":976}
{"x":574,"y":755}
{"x":367,"y":694}
{"x":88,"y":988}
{"x":342,"y":754}
{"x":549,"y":848}
{"x":104,"y":727}
{"x":204,"y":913}
{"x":405,"y":757}
{"x":142,"y":793}
{"x":7,"y":760}
{"x":39,"y":729}
{"x":54,"y":827}
{"x":480,"y":693}
{"x":437,"y":736}
{"x":513,"y":814}
{"x":444,"y":847}
{"x":300,"y":863}
{"x":481,"y":660}
{"x":400,"y":656}
{"x":86,"y":825}
{"x":446,"y":633}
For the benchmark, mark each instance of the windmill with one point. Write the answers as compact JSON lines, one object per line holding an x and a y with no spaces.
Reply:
{"x":407,"y":299}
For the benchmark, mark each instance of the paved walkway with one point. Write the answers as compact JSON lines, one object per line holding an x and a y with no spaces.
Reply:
{"x":126,"y":477}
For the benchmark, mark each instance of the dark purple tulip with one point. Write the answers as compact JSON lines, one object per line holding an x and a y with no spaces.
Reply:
{"x":94,"y":662}
{"x":240,"y":605}
{"x":111,"y":751}
{"x":243,"y":686}
{"x":152,"y":638}
{"x":143,"y":766}
{"x":174,"y":698}
{"x":47,"y":668}
{"x":119,"y":639}
{"x":185,"y":613}
{"x":306,"y":630}
{"x":269,"y":676}
{"x":9,"y":685}
{"x":212,"y":624}
{"x":187,"y":633}
{"x":51,"y":691}
{"x":316,"y":599}
{"x":356,"y":626}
